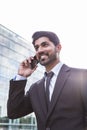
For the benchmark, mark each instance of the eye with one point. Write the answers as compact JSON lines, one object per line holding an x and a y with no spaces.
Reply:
{"x":44,"y":44}
{"x":36,"y":47}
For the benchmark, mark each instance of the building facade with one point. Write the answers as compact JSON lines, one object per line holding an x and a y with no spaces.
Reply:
{"x":13,"y":50}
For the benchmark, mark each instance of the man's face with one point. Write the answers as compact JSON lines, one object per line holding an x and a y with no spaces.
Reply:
{"x":46,"y":51}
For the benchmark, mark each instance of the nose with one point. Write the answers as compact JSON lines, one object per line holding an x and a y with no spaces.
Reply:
{"x":40,"y":50}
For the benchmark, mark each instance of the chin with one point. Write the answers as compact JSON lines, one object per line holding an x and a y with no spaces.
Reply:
{"x":45,"y":63}
{"x":42,"y":63}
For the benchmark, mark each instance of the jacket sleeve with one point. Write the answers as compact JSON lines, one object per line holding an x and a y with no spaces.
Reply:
{"x":18,"y":103}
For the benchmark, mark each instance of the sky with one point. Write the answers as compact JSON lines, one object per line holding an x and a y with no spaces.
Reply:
{"x":67,"y":18}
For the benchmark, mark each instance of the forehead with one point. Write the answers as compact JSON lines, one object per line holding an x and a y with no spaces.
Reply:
{"x":42,"y":39}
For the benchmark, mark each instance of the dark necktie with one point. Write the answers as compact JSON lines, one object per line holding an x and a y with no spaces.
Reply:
{"x":49,"y":76}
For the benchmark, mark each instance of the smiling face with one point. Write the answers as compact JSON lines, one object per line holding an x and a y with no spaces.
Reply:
{"x":47,"y":53}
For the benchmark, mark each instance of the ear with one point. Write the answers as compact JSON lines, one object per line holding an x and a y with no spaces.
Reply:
{"x":58,"y":48}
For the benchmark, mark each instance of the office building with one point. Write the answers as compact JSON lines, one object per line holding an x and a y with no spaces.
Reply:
{"x":13,"y":50}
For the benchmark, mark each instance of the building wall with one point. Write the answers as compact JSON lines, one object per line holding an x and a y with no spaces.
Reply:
{"x":13,"y":50}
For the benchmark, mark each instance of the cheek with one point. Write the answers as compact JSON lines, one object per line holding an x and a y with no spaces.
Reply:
{"x":53,"y":51}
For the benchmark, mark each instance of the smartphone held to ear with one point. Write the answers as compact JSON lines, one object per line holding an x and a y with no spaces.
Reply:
{"x":34,"y":62}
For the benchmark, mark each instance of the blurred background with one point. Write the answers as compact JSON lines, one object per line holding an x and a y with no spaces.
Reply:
{"x":19,"y":19}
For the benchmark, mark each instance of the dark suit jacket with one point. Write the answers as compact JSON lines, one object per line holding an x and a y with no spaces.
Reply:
{"x":68,"y":108}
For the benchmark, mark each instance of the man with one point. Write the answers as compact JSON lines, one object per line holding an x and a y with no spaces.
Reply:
{"x":66,"y":106}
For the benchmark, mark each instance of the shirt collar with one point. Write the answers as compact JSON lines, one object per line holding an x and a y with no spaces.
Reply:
{"x":57,"y":68}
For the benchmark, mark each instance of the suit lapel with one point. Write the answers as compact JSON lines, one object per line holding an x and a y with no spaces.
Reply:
{"x":41,"y":92}
{"x":61,"y":79}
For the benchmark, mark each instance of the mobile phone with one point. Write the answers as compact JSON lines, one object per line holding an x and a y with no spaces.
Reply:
{"x":34,"y":62}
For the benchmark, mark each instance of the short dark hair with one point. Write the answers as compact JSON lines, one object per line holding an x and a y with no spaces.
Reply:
{"x":51,"y":35}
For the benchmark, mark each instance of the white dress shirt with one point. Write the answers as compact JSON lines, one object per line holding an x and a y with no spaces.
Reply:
{"x":56,"y":71}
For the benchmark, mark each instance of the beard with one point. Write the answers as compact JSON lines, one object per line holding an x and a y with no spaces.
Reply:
{"x":47,"y":59}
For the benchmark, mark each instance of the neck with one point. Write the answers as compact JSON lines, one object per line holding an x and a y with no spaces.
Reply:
{"x":50,"y":66}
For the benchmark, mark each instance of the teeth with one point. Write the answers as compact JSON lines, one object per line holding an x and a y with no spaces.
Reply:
{"x":43,"y":57}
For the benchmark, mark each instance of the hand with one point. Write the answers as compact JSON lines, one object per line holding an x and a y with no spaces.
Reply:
{"x":25,"y":68}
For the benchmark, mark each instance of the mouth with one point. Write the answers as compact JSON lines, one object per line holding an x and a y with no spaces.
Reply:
{"x":43,"y":57}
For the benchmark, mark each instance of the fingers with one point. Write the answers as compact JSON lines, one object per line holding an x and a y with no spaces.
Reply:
{"x":25,"y":68}
{"x":27,"y":62}
{"x":29,"y":59}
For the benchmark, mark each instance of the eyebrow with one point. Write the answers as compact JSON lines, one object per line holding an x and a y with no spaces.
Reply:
{"x":41,"y":43}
